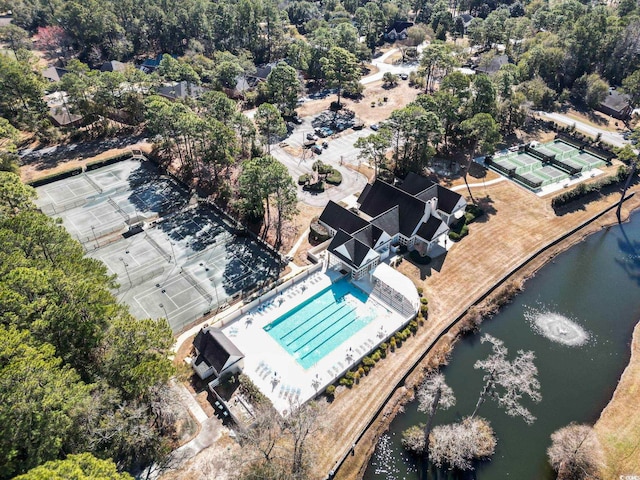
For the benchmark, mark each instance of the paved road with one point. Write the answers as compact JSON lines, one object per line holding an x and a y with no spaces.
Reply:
{"x":607,"y":136}
{"x":387,"y":67}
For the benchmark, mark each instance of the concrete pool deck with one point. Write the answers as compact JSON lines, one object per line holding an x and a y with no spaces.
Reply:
{"x":277,"y":373}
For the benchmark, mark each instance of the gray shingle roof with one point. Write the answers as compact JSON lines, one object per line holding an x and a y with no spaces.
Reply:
{"x":415,"y":184}
{"x":214,"y":348}
{"x":429,"y":228}
{"x":381,"y":197}
{"x":338,"y":217}
{"x":447,"y":199}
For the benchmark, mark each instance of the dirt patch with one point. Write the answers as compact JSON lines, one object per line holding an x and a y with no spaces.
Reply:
{"x":619,"y":425}
{"x":219,"y":461}
{"x":595,"y":119}
{"x":397,"y":97}
{"x":35,"y":170}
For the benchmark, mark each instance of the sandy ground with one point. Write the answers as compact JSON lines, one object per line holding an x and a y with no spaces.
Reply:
{"x":619,"y":425}
{"x":397,"y":97}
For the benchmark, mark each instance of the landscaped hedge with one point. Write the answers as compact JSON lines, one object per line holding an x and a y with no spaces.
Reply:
{"x":304,"y":179}
{"x":108,"y":161}
{"x":334,"y":178}
{"x":588,"y":188}
{"x":314,"y":187}
{"x":251,"y":391}
{"x":55,"y":177}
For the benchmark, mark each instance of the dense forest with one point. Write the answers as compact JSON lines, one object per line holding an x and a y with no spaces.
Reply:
{"x":78,"y":374}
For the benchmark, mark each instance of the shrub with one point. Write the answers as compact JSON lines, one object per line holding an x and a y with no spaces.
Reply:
{"x":393,"y":343}
{"x":318,"y":233}
{"x":334,"y":178}
{"x":420,"y":290}
{"x":304,"y":179}
{"x":383,"y":346}
{"x":424,"y":310}
{"x":406,"y":333}
{"x":250,"y":390}
{"x":361,"y":372}
{"x":55,"y":177}
{"x":413,"y":326}
{"x":413,"y":439}
{"x":347,"y":382}
{"x":424,"y":301}
{"x":350,"y":375}
{"x":368,"y":361}
{"x":314,"y":187}
{"x":330,"y":391}
{"x":583,"y":190}
{"x":419,"y":259}
{"x":108,"y":161}
{"x":376,"y":356}
{"x":322,"y":168}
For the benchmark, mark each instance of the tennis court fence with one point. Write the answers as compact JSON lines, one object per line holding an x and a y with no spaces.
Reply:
{"x":197,"y":286}
{"x":129,"y":281}
{"x":155,"y":245}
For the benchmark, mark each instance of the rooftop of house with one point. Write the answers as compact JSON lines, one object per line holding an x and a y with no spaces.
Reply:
{"x":390,"y":210}
{"x":466,"y":18}
{"x":616,"y":101}
{"x":382,"y":197}
{"x":493,"y":65}
{"x":350,"y":249}
{"x":399,"y":26}
{"x":214,"y":348}
{"x":176,"y":90}
{"x":54,"y":74}
{"x":341,"y":219}
{"x":113,"y":66}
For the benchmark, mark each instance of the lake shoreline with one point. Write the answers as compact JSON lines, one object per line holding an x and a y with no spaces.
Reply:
{"x":488,"y":304}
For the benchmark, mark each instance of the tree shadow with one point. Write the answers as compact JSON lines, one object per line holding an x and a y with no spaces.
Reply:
{"x":630,"y":262}
{"x":593,"y":116}
{"x":150,"y":191}
{"x":488,"y":209}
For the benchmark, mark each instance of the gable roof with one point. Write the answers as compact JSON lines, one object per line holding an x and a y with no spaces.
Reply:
{"x":447,"y":199}
{"x":428,"y":230}
{"x":113,"y":66}
{"x":415,"y":184}
{"x":616,"y":101}
{"x":54,"y":74}
{"x":494,"y":65}
{"x":339,"y":218}
{"x":184,"y":89}
{"x":350,"y":250}
{"x":214,"y":348}
{"x":466,"y":18}
{"x":388,"y":221}
{"x":369,"y":235}
{"x":399,"y":26}
{"x":381,"y":197}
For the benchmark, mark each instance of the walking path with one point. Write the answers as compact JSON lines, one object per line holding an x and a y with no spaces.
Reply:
{"x":483,"y":184}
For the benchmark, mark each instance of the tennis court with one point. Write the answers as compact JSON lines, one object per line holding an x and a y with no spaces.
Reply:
{"x":547,"y":167}
{"x":171,"y":259}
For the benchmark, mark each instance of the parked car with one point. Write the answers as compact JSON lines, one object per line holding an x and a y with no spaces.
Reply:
{"x":325,"y":144}
{"x":374,"y":127}
{"x":311,"y":136}
{"x":403,"y":76}
{"x":316,"y":149}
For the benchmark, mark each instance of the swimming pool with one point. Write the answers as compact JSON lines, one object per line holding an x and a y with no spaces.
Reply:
{"x":317,"y":326}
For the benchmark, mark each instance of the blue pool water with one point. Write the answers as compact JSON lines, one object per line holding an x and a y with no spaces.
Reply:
{"x":320,"y":324}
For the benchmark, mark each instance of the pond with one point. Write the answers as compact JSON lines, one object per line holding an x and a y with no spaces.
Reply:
{"x":577,"y":314}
